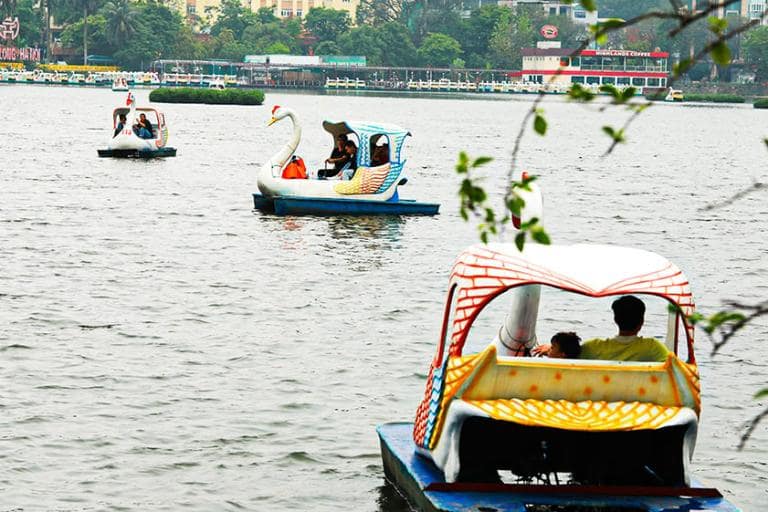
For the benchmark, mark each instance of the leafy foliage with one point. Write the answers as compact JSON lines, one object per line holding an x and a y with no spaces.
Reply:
{"x":209,"y":96}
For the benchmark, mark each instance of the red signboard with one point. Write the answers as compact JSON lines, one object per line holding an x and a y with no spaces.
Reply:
{"x":9,"y":30}
{"x":548,"y":31}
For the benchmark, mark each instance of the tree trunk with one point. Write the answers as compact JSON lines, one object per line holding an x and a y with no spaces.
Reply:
{"x":85,"y":34}
{"x":48,"y":35}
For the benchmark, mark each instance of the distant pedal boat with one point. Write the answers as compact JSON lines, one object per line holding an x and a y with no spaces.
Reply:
{"x":127,"y":144}
{"x":372,"y":191}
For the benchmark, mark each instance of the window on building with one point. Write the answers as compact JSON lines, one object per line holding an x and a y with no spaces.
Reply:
{"x":593,"y":80}
{"x":609,"y":80}
{"x":577,"y":79}
{"x":579,"y":14}
{"x":639,"y":82}
{"x":622,"y":80}
{"x":286,"y":13}
{"x":563,"y":10}
{"x":565,"y":62}
{"x":576,"y":61}
{"x":553,"y":11}
{"x":663,"y":82}
{"x":299,"y":13}
{"x":654,"y":82}
{"x":190,"y":9}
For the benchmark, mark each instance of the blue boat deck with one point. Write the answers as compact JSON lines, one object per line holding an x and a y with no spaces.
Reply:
{"x":333,"y":206}
{"x":423,"y":485}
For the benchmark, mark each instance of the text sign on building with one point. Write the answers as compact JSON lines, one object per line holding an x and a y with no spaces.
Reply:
{"x":621,"y":53}
{"x":9,"y":29}
{"x":548,"y":31}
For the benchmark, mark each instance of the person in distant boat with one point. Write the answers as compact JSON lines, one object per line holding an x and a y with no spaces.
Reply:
{"x":143,"y":128}
{"x":338,"y":158}
{"x":380,"y":155}
{"x":120,"y":125}
{"x":350,"y":166}
{"x":565,"y":345}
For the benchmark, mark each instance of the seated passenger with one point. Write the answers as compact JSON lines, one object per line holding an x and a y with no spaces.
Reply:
{"x":338,"y":158}
{"x":565,"y":345}
{"x":120,"y":125}
{"x":380,"y":155}
{"x":629,"y":315}
{"x":143,"y":128}
{"x":351,"y":166}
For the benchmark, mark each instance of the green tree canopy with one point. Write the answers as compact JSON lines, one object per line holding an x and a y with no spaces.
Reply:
{"x":327,"y":24}
{"x":755,"y":48}
{"x":439,"y":50}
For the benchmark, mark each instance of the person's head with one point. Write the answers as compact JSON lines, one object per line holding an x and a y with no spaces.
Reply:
{"x":123,"y":118}
{"x":565,"y":345}
{"x":341,"y":140}
{"x":142,"y":117}
{"x":350,"y":147}
{"x":629,"y":314}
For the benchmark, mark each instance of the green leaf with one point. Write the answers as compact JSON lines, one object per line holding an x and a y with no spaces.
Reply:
{"x":540,"y":235}
{"x":462,"y":166}
{"x":721,"y":54}
{"x":484,"y":237}
{"x":766,"y":141}
{"x":717,"y":25}
{"x":762,"y":393}
{"x":588,"y":5}
{"x":520,"y":240}
{"x":628,"y":94}
{"x":540,"y":124}
{"x":602,"y":39}
{"x":481,"y":160}
{"x":610,"y":89}
{"x":616,"y":135}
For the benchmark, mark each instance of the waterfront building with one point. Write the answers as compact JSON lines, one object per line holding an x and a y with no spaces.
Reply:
{"x":750,"y":9}
{"x":621,"y":68}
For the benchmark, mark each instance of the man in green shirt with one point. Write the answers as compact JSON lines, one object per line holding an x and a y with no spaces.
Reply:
{"x":629,"y":315}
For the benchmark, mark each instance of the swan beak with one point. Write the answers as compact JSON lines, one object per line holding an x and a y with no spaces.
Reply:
{"x":272,"y":121}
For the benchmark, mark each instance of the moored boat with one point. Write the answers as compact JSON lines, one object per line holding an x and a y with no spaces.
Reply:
{"x":126,"y":142}
{"x":372,"y":190}
{"x":674,"y":95}
{"x":499,"y":430}
{"x":120,"y":84}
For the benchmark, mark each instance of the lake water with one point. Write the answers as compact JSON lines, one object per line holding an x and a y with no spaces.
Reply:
{"x":163,"y":347}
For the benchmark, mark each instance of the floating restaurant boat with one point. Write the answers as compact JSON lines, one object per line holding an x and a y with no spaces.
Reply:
{"x":620,"y":434}
{"x":372,"y":190}
{"x":127,"y":144}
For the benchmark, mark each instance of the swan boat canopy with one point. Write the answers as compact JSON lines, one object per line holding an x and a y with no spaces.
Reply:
{"x":372,"y":190}
{"x":126,"y":142}
{"x":622,"y":433}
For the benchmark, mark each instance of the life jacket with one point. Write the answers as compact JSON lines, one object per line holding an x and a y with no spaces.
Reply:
{"x":295,"y":170}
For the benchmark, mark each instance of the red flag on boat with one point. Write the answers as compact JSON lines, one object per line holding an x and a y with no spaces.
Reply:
{"x":129,"y":100}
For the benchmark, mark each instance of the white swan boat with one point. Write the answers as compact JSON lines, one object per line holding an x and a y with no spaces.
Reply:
{"x":120,"y":84}
{"x":126,"y":143}
{"x":372,"y":190}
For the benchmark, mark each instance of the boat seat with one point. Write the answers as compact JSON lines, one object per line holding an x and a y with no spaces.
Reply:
{"x":367,"y":180}
{"x":513,"y":387}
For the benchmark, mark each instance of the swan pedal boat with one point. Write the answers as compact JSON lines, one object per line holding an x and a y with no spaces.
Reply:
{"x":621,"y":433}
{"x":127,"y":144}
{"x":372,"y":190}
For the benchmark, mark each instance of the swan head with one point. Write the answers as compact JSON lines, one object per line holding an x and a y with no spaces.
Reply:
{"x":279,"y":113}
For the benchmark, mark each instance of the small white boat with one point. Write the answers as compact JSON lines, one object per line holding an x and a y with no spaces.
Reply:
{"x":126,"y":142}
{"x":217,"y":83}
{"x":674,"y":95}
{"x":120,"y":84}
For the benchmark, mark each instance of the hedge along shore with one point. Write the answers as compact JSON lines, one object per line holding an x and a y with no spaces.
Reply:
{"x":708,"y":97}
{"x":761,"y":103}
{"x":207,"y":96}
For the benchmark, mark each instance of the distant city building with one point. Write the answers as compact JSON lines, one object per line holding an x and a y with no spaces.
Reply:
{"x":281,"y":8}
{"x":621,"y":68}
{"x":750,"y":9}
{"x":574,"y":11}
{"x":300,"y":8}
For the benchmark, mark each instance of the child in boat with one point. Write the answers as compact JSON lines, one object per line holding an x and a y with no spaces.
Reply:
{"x":565,"y":345}
{"x":351,"y":166}
{"x":120,"y":125}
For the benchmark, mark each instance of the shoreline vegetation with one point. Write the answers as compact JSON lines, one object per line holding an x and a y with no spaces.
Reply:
{"x":702,"y":97}
{"x":207,"y":96}
{"x":761,"y":103}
